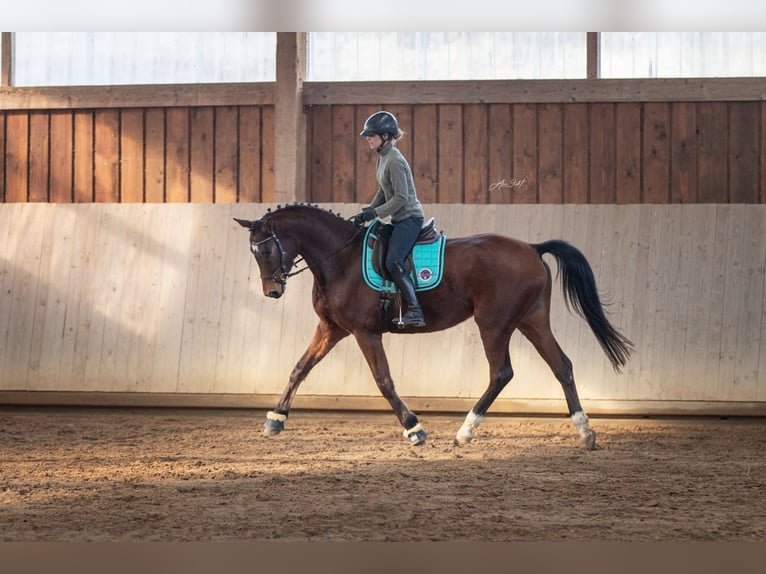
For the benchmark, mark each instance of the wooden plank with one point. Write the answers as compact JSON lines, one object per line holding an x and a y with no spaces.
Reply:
{"x":365,"y":185}
{"x":712,"y":152}
{"x":137,"y":96}
{"x":575,"y":153}
{"x":656,"y":153}
{"x":54,"y":276}
{"x":24,"y":309}
{"x":744,"y":133}
{"x":249,"y":154}
{"x":83,"y":157}
{"x":132,"y":156}
{"x":2,"y":155}
{"x":39,"y":156}
{"x":551,"y":153}
{"x":425,"y":144}
{"x":403,"y":115}
{"x":628,"y":153}
{"x":320,"y":165}
{"x":525,"y":153}
{"x":475,"y":133}
{"x":177,"y":156}
{"x":16,"y":156}
{"x":670,"y":316}
{"x":234,"y":324}
{"x":733,"y":305}
{"x":698,"y":228}
{"x":749,"y":288}
{"x":105,"y":343}
{"x":714,"y":331}
{"x":451,"y":151}
{"x":201,"y":141}
{"x":106,"y":171}
{"x":176,"y":225}
{"x":154,"y":136}
{"x":683,"y":153}
{"x":226,"y":154}
{"x":343,"y":140}
{"x":61,"y":157}
{"x":196,"y":371}
{"x":602,"y":153}
{"x":500,"y":153}
{"x":762,"y":193}
{"x":267,"y":154}
{"x":81,"y":287}
{"x":536,"y":91}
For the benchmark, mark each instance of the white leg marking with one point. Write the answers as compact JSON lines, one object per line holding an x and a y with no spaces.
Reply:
{"x":465,"y":432}
{"x":580,"y":421}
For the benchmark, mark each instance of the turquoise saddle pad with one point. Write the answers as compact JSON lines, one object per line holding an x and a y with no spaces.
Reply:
{"x":428,"y":259}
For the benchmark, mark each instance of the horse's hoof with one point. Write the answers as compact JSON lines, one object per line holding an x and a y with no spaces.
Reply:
{"x":416,"y":435}
{"x":417,"y":438}
{"x":275,"y":423}
{"x":462,"y":440}
{"x":273,"y":428}
{"x":590,"y":440}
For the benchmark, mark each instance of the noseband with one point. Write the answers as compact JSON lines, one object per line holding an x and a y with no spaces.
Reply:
{"x":280,"y":275}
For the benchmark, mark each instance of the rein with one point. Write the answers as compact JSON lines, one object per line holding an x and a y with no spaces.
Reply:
{"x":283,"y":273}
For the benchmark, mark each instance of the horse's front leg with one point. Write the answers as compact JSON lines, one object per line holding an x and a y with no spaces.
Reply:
{"x":371,"y":345}
{"x":325,"y":338}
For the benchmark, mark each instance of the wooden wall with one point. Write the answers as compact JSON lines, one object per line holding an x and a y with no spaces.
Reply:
{"x":140,"y":304}
{"x":585,"y":152}
{"x":201,"y":154}
{"x":540,"y":142}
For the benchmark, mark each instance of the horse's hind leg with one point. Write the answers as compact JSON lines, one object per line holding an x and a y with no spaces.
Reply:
{"x":325,"y":338}
{"x":536,"y":327}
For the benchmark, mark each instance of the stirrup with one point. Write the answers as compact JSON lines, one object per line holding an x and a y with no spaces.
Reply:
{"x":410,"y":318}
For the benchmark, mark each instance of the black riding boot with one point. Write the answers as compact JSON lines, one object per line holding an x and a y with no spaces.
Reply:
{"x":414,"y":314}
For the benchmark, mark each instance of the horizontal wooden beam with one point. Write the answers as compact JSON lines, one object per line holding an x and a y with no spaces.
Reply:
{"x":535,"y":91}
{"x":368,"y":403}
{"x":402,"y":92}
{"x":137,"y":96}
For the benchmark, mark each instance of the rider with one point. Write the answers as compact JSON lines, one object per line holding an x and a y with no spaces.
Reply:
{"x":396,"y":197}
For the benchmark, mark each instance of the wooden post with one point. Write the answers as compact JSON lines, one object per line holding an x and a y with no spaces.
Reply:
{"x":6,"y":61}
{"x":290,"y":121}
{"x":593,"y":56}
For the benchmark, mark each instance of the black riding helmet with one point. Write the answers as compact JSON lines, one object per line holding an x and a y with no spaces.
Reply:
{"x":380,"y":123}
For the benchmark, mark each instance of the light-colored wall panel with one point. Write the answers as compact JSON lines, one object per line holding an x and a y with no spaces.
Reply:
{"x":149,"y":298}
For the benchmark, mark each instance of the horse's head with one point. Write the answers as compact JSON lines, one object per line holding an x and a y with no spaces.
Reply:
{"x":269,"y":251}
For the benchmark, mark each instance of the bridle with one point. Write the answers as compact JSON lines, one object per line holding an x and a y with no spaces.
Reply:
{"x":283,"y":273}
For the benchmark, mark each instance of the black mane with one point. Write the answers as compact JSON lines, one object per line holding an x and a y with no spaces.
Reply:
{"x":303,"y":209}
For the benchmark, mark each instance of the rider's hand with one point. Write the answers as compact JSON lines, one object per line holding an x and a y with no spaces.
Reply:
{"x":367,"y":214}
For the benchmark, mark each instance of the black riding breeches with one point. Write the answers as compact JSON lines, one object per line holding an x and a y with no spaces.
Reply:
{"x":403,"y":237}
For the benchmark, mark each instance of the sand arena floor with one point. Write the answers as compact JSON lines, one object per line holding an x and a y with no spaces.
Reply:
{"x":69,"y":474}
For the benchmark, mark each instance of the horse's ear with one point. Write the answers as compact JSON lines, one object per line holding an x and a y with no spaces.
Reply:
{"x":244,"y":222}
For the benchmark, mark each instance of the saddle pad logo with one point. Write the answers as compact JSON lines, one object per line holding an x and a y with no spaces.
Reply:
{"x":425,"y":274}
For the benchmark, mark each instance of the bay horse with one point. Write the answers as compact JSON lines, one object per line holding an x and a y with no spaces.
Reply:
{"x":503,"y":282}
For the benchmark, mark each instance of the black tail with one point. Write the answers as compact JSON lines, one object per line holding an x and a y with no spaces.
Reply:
{"x":580,"y":294}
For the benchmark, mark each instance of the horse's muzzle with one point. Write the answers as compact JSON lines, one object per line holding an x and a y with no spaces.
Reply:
{"x":275,"y":291}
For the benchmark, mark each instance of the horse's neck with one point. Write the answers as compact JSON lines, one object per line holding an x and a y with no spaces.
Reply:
{"x":317,"y":243}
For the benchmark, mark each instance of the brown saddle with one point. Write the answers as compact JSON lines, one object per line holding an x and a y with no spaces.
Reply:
{"x":379,"y":243}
